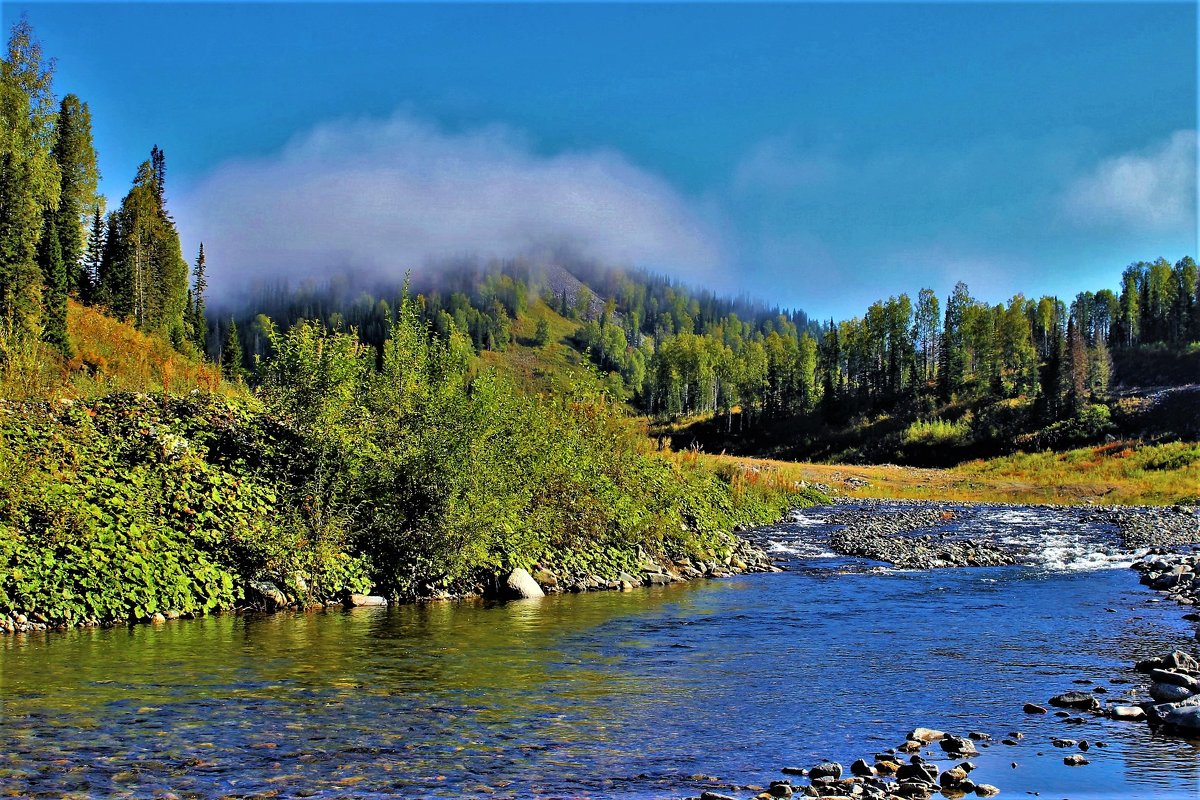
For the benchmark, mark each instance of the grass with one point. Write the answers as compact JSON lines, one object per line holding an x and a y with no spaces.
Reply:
{"x":1119,"y":473}
{"x":107,"y":356}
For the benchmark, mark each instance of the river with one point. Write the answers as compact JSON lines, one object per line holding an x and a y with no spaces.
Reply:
{"x":658,"y":692}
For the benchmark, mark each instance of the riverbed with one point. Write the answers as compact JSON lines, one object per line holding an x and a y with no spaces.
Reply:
{"x":660,"y":692}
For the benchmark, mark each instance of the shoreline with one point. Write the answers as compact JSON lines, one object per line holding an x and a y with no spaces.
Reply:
{"x":743,"y":557}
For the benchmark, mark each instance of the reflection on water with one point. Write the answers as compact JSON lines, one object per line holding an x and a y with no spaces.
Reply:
{"x":631,"y":695}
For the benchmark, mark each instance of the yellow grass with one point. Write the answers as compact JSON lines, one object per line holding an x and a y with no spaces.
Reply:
{"x":1122,"y":473}
{"x":108,"y":356}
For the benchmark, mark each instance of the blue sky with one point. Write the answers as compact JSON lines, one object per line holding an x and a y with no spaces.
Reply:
{"x":816,"y":155}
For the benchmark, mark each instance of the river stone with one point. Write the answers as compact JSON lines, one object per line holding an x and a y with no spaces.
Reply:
{"x":780,"y":789}
{"x":1033,"y":708}
{"x":1130,"y":713}
{"x":366,"y":600}
{"x":986,"y":790}
{"x":1176,"y":678}
{"x":861,"y":768}
{"x":958,"y":746}
{"x":1169,"y":692}
{"x":1081,"y":700}
{"x":265,"y":594}
{"x":1185,"y":718}
{"x":715,"y":796}
{"x":952,"y":777}
{"x":826,"y":769}
{"x":522,"y":585}
{"x":926,"y":735}
{"x":1075,"y":761}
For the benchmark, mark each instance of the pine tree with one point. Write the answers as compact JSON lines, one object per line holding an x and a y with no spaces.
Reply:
{"x":54,"y":293}
{"x":196,"y":304}
{"x":144,"y":274}
{"x":76,"y":160}
{"x":90,"y":273}
{"x":231,"y":354}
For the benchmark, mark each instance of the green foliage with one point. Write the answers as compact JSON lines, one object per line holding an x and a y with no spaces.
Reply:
{"x":937,"y":433}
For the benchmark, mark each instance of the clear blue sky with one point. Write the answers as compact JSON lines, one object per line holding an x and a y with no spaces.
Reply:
{"x":817,"y":155}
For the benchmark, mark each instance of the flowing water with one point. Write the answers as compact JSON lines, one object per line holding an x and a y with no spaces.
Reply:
{"x":653,"y":693}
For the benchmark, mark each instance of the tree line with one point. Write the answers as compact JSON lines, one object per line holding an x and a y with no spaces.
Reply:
{"x":56,"y":241}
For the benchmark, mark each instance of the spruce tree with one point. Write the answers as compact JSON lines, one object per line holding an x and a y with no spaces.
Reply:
{"x":54,"y":292}
{"x":144,"y":274}
{"x":76,"y":160}
{"x":196,"y":304}
{"x":231,"y":354}
{"x":90,"y":273}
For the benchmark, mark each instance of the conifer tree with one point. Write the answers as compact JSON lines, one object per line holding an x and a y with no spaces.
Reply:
{"x":231,"y":354}
{"x":198,"y":320}
{"x":144,"y":275}
{"x":76,"y":160}
{"x":54,"y":292}
{"x":90,"y":273}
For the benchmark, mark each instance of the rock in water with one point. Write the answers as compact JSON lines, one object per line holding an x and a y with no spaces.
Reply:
{"x":1185,"y":718}
{"x":1033,"y":708}
{"x":1075,"y":761}
{"x":986,"y":790}
{"x":1169,"y":692}
{"x":361,"y":600}
{"x":861,"y":768}
{"x":926,"y":735}
{"x":522,"y":585}
{"x":1080,"y":700}
{"x":1131,"y":713}
{"x":826,"y":769}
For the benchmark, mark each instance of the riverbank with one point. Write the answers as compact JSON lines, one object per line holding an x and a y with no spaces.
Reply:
{"x":133,"y":508}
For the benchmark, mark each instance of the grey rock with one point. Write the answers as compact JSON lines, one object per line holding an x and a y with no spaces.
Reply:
{"x":1129,"y":713}
{"x":366,"y":600}
{"x":1169,"y":692}
{"x":522,"y":585}
{"x":826,"y":769}
{"x":926,"y":735}
{"x":986,"y":790}
{"x":266,"y":594}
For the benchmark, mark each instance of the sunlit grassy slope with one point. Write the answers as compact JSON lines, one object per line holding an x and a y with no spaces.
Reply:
{"x":108,"y":356}
{"x":1120,"y":473}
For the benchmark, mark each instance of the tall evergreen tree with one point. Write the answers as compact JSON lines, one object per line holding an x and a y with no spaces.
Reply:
{"x":231,"y":354}
{"x":90,"y":274}
{"x":76,"y":159}
{"x":144,"y":274}
{"x":29,"y":179}
{"x":198,"y":319}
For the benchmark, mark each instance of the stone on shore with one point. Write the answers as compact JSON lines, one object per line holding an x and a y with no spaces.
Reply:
{"x":266,"y":594}
{"x":522,"y":585}
{"x":366,"y":600}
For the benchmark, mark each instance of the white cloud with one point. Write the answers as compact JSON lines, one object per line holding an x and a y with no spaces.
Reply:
{"x":1151,"y":190}
{"x":385,"y":196}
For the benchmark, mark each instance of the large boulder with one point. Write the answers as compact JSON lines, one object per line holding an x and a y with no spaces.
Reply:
{"x":521,"y":585}
{"x":1184,"y":718}
{"x":1169,"y":692}
{"x":365,"y":600}
{"x":266,"y":595}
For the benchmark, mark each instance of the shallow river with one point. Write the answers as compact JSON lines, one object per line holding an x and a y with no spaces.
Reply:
{"x":653,"y":693}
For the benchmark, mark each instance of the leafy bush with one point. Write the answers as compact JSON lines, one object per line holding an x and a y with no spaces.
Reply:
{"x":937,"y":432}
